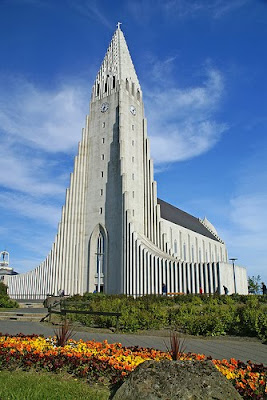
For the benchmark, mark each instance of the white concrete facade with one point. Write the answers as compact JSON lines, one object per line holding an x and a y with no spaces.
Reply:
{"x":113,"y":235}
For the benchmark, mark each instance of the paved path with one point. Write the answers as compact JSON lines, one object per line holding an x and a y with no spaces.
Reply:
{"x":239,"y":348}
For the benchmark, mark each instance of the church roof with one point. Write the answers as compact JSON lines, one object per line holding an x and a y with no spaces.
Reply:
{"x":117,"y":66}
{"x":179,"y":217}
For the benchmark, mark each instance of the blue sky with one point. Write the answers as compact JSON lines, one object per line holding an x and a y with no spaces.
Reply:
{"x":202,"y":67}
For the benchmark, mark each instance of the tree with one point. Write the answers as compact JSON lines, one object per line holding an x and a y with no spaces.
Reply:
{"x":254,"y":284}
{"x":3,"y":289}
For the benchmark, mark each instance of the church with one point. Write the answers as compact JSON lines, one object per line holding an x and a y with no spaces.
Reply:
{"x":115,"y":235}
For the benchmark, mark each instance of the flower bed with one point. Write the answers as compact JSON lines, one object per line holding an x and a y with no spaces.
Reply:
{"x":111,"y":363}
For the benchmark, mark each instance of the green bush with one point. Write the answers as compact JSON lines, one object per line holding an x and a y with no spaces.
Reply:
{"x":194,"y":314}
{"x":253,"y":319}
{"x":208,"y":320}
{"x":6,"y":302}
{"x":3,"y":289}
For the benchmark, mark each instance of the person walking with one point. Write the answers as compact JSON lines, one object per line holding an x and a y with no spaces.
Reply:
{"x":164,"y":289}
{"x":226,"y":291}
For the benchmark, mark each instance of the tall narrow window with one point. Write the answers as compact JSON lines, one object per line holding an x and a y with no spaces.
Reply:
{"x":132,"y":176}
{"x":132,"y":127}
{"x":102,"y":156}
{"x":138,"y":94}
{"x":103,"y":140}
{"x":102,"y":174}
{"x":114,"y":82}
{"x":175,"y":246}
{"x":184,"y":252}
{"x":100,"y":210}
{"x":100,"y":261}
{"x":127,"y":85}
{"x":132,"y":142}
{"x":101,"y":192}
{"x":103,"y":124}
{"x":132,"y":159}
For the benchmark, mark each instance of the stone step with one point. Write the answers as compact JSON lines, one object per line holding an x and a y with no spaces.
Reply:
{"x":31,"y":305}
{"x":21,"y":316}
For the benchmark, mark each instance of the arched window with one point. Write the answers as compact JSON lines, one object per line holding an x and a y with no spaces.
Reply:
{"x":100,"y":261}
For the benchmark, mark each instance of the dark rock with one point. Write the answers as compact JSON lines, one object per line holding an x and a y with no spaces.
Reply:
{"x":170,"y":380}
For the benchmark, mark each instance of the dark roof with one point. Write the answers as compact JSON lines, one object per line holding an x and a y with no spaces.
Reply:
{"x":4,"y":271}
{"x":179,"y":217}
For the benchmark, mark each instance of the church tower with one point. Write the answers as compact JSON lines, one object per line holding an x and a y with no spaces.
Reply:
{"x":116,"y":178}
{"x":115,"y":235}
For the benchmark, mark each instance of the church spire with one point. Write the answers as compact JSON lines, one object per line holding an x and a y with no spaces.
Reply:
{"x":117,"y":67}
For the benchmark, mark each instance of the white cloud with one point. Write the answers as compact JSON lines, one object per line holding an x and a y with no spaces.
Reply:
{"x":50,"y":120}
{"x":216,"y":8}
{"x":32,"y":209}
{"x":143,"y":11}
{"x":246,"y":236}
{"x":27,"y":174}
{"x":249,"y":212}
{"x":182,"y":122}
{"x":186,"y":141}
{"x":89,"y":9}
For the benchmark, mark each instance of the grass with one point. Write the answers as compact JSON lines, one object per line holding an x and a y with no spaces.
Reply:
{"x":31,"y":385}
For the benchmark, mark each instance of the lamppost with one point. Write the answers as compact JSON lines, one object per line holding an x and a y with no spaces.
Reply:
{"x":233,"y":261}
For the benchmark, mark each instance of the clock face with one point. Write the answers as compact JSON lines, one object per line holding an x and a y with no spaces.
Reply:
{"x":104,"y":107}
{"x":133,"y":110}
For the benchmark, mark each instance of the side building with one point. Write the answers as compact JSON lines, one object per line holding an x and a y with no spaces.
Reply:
{"x":115,"y":235}
{"x":5,"y":270}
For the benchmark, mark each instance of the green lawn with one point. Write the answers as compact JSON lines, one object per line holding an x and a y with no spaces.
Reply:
{"x":24,"y":385}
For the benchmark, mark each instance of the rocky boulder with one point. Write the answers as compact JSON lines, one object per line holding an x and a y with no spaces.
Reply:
{"x":171,"y":380}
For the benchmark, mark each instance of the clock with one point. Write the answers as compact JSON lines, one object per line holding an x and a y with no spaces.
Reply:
{"x":104,"y":107}
{"x":133,"y":110}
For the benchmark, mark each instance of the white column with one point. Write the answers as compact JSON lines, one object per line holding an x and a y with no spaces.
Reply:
{"x":142,"y":272}
{"x":149,"y":273}
{"x":138,"y":264}
{"x":196,"y":271}
{"x":156,"y":282}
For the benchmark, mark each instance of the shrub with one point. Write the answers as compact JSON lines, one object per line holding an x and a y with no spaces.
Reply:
{"x":6,"y":302}
{"x":193,"y":314}
{"x":3,"y":289}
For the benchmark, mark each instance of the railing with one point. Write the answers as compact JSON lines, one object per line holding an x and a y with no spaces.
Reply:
{"x":64,"y":311}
